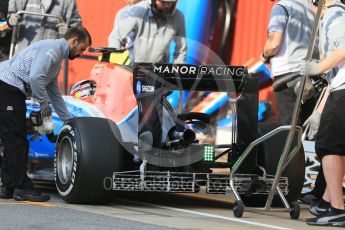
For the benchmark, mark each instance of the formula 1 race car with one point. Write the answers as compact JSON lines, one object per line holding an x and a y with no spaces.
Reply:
{"x":125,"y":136}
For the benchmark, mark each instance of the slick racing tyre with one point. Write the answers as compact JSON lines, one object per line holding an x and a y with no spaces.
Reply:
{"x":268,"y":156}
{"x":88,"y":152}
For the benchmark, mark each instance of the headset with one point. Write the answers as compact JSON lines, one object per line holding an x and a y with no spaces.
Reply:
{"x":161,"y":13}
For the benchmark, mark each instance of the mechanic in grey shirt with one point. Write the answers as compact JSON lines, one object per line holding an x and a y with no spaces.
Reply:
{"x":32,"y":28}
{"x":36,"y":67}
{"x":156,"y":24}
{"x":289,"y":33}
{"x":326,"y":47}
{"x":330,"y":137}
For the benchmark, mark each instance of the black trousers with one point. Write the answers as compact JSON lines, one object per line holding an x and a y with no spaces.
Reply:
{"x":286,"y":100}
{"x":13,"y":134}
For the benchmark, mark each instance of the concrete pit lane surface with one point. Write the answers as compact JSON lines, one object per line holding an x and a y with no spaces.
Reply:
{"x":144,"y":211}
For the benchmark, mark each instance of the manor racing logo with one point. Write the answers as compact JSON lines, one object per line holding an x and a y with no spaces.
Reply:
{"x":202,"y":71}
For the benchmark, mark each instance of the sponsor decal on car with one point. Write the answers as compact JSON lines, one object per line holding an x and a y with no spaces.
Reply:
{"x":148,"y":88}
{"x":138,"y":88}
{"x":41,"y":155}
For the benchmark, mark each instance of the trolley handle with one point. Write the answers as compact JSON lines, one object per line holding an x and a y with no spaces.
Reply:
{"x":14,"y":29}
{"x":105,"y":50}
{"x":21,"y":12}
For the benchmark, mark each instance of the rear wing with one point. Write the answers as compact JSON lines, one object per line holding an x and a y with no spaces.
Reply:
{"x":215,"y":78}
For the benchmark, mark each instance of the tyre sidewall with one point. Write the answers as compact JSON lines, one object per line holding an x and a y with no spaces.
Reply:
{"x":68,"y":131}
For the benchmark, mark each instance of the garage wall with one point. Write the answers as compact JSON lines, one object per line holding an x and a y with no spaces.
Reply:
{"x":251,"y":22}
{"x":250,"y":29}
{"x":98,"y":18}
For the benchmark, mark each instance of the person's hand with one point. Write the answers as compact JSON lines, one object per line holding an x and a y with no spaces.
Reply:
{"x":62,"y":28}
{"x":13,"y":19}
{"x":264,"y":59}
{"x":308,"y":91}
{"x":310,"y":68}
{"x":47,"y":126}
{"x":46,"y":110}
{"x":52,"y":137}
{"x":313,"y":121}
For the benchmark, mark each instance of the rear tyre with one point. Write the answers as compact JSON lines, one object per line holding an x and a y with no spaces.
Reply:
{"x":88,"y":152}
{"x":268,"y":156}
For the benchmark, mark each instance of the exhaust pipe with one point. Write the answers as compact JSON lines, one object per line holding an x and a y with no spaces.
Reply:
{"x":183,"y":138}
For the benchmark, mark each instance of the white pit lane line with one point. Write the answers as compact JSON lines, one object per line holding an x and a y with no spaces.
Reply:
{"x":208,"y":215}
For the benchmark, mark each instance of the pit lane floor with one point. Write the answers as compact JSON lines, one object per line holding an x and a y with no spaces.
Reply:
{"x":143,"y":211}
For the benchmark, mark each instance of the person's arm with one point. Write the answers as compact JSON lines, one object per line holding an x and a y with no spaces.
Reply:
{"x":336,"y":36}
{"x":314,"y":67}
{"x":72,"y":15}
{"x":320,"y":107}
{"x":12,"y":7}
{"x":276,"y":30}
{"x":57,"y":101}
{"x":38,"y":78}
{"x":313,"y":122}
{"x":113,"y":40}
{"x":337,"y":57}
{"x":125,"y":22}
{"x":272,"y":44}
{"x":39,"y":72}
{"x":180,"y":42}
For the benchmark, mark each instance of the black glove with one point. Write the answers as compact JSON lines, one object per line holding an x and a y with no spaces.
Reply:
{"x":51,"y":137}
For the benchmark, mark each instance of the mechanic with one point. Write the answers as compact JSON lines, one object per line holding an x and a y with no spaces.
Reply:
{"x":3,"y":44}
{"x":156,"y":24}
{"x":329,"y":142}
{"x":289,"y":33}
{"x":131,"y":36}
{"x":33,"y":28}
{"x":34,"y":69}
{"x":315,"y":195}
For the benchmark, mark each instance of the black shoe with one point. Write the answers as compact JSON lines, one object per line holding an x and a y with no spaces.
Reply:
{"x":320,"y":208}
{"x":30,"y":194}
{"x":6,"y":192}
{"x":308,"y":198}
{"x":335,"y":218}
